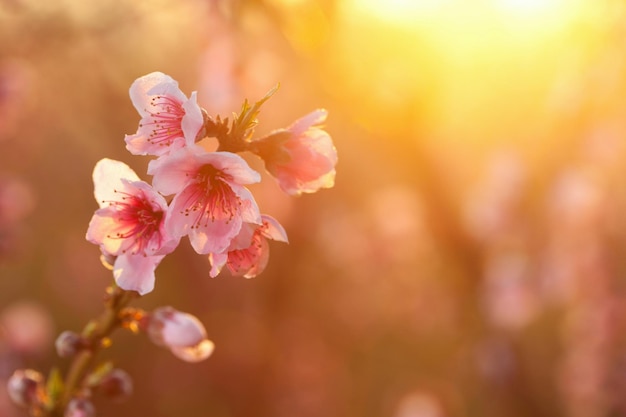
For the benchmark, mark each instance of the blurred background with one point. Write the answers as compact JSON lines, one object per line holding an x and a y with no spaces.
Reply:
{"x":470,"y":261}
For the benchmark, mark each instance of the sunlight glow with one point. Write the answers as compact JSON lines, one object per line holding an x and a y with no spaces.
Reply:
{"x":465,"y":53}
{"x":530,"y":6}
{"x":399,"y":11}
{"x":408,"y":12}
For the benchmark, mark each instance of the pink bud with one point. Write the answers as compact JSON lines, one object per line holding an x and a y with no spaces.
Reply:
{"x":301,"y":157}
{"x":117,"y":385}
{"x":182,"y":333}
{"x":24,"y":386}
{"x":68,"y":343}
{"x":80,"y":407}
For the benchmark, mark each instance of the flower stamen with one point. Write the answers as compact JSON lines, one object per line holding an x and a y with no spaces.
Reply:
{"x":212,"y":199}
{"x":136,"y":219}
{"x":166,"y":119}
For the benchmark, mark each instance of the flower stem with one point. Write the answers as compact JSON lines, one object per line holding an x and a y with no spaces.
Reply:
{"x":95,"y":336}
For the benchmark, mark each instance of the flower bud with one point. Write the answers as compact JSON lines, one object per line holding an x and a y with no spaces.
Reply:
{"x":182,"y":333}
{"x":24,"y":387}
{"x":302,"y":157}
{"x":68,"y":343}
{"x":117,"y":385}
{"x":80,"y":407}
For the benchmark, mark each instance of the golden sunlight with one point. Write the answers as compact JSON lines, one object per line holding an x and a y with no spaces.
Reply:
{"x":411,"y":12}
{"x":452,"y":59}
{"x":531,"y":6}
{"x":398,"y":11}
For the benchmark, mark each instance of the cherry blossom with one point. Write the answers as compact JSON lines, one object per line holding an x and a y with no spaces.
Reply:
{"x":248,"y":253}
{"x":168,"y":119}
{"x":182,"y":333}
{"x":301,"y":157}
{"x":211,"y":204}
{"x":130,"y":225}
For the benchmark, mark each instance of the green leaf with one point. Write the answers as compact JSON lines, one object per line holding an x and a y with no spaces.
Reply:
{"x":246,"y":121}
{"x":54,"y":388}
{"x":94,"y":378}
{"x":90,"y":328}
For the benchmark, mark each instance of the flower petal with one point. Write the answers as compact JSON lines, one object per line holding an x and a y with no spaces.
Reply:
{"x":107,"y":177}
{"x":136,"y":272}
{"x":315,"y":118}
{"x":172,"y":173}
{"x":182,"y":330}
{"x":215,"y":236}
{"x":193,"y":120}
{"x":272,"y":229}
{"x":249,"y":209}
{"x":143,"y":88}
{"x":217,"y":261}
{"x":233,"y":165}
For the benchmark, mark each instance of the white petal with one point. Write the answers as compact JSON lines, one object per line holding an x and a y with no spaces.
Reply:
{"x":107,"y":177}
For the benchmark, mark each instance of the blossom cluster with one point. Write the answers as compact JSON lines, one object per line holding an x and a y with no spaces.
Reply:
{"x":198,"y":193}
{"x":194,"y":193}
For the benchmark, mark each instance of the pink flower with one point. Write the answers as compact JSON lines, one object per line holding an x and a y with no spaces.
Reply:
{"x":168,"y":119}
{"x":211,"y":203}
{"x":129,"y":225}
{"x":301,"y":157}
{"x":182,"y":333}
{"x":248,"y":253}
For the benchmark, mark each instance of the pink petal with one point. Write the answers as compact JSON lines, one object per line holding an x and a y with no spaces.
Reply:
{"x":136,"y":272}
{"x":182,"y":330}
{"x":315,"y":118}
{"x":143,"y":88}
{"x":233,"y":165}
{"x":243,"y":262}
{"x":325,"y":181}
{"x":273,"y":229}
{"x":193,"y":120}
{"x":244,"y":237}
{"x":249,"y":210}
{"x":215,"y":237}
{"x":311,"y":165}
{"x":138,"y":143}
{"x":173,"y":172}
{"x":217,"y":261}
{"x":262,"y":261}
{"x":103,"y":224}
{"x":210,"y":236}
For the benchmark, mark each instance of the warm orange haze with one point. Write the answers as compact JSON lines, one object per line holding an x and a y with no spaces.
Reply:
{"x":469,"y":261}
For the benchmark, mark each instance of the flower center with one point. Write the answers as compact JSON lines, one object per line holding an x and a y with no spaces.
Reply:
{"x":212,"y":199}
{"x":165,"y":121}
{"x":241,"y":260}
{"x":137,"y":221}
